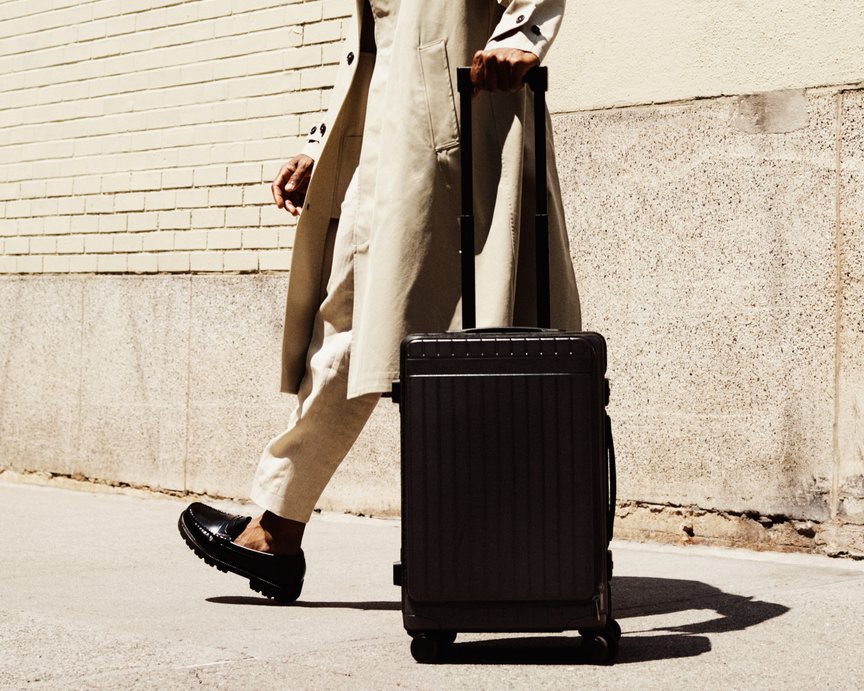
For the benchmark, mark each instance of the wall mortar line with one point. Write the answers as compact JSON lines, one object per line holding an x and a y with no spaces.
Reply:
{"x":188,"y":383}
{"x":838,"y":298}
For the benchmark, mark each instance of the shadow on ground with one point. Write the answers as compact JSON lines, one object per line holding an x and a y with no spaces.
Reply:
{"x":633,"y":597}
{"x":637,"y":597}
{"x":264,"y":602}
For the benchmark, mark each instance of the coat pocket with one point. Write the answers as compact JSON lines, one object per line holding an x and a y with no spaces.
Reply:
{"x":439,"y":95}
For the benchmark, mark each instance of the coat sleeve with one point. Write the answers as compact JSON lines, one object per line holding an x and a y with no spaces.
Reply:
{"x":529,"y":25}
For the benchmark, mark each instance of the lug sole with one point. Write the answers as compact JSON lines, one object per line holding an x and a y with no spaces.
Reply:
{"x":256,"y":583}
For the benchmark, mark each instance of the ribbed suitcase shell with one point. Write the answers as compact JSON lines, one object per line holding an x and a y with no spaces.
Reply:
{"x":504,"y":481}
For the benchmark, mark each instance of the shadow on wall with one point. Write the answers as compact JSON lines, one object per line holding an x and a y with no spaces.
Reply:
{"x":680,"y":632}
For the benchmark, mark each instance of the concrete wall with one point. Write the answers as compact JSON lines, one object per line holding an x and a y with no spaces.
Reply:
{"x":717,"y":241}
{"x":613,"y":54}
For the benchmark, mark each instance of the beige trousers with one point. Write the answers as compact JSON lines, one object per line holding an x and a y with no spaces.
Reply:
{"x":296,"y":466}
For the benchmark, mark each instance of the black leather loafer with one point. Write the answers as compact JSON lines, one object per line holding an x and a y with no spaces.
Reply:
{"x":210,"y":533}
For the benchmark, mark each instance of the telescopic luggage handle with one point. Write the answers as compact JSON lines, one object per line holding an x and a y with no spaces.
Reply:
{"x":537,"y":78}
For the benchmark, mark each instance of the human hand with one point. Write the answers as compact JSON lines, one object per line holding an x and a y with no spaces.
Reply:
{"x":501,"y":69}
{"x":289,"y":187}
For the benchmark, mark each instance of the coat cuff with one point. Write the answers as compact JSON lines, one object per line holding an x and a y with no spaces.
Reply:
{"x":528,"y":25}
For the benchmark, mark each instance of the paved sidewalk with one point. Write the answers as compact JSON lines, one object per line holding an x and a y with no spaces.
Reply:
{"x":97,"y":590}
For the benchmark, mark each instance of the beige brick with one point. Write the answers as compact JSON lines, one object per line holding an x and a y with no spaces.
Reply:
{"x":258,"y":195}
{"x":208,"y":177}
{"x":99,"y":204}
{"x":226,"y":196}
{"x":177,"y":177}
{"x":286,"y":236}
{"x":318,"y":77}
{"x":112,"y":223}
{"x":333,"y":53}
{"x":112,"y":263}
{"x":250,"y":172}
{"x":71,"y":205}
{"x":272,"y":215}
{"x":276,"y":260}
{"x":18,"y":209}
{"x":70,"y":244}
{"x":322,"y":32}
{"x":241,"y":261}
{"x":87,"y":184}
{"x":336,"y":8}
{"x":16,"y":246}
{"x":10,"y":190}
{"x":161,"y":240}
{"x":242,"y":217}
{"x":206,"y":261}
{"x":31,"y":189}
{"x":142,"y":222}
{"x":31,"y":226}
{"x":44,"y":207}
{"x":143,"y":181}
{"x":133,"y":201}
{"x":192,"y":198}
{"x":46,"y":244}
{"x":128,"y":242}
{"x":208,"y":218}
{"x":58,"y":264}
{"x":308,"y":101}
{"x":97,"y":243}
{"x":191,"y":240}
{"x":118,"y":182}
{"x":143,"y":263}
{"x":57,"y":225}
{"x":28,"y":264}
{"x":174,"y":219}
{"x":174,"y":262}
{"x":297,"y":58}
{"x":260,"y":238}
{"x":8,"y":264}
{"x":224,"y":239}
{"x":154,"y":201}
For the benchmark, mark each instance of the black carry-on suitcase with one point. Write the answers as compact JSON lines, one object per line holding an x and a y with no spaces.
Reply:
{"x":508,"y":476}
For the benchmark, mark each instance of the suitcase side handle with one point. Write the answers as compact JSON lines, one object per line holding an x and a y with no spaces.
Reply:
{"x":538,"y":80}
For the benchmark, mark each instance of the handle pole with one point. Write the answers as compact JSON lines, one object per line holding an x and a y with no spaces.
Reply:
{"x":466,"y":217}
{"x":538,"y":80}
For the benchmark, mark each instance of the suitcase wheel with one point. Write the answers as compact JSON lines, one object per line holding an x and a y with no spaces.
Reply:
{"x":600,"y":647}
{"x":427,"y":646}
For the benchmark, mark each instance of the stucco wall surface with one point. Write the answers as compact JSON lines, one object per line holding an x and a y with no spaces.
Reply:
{"x":649,"y":51}
{"x":707,"y":243}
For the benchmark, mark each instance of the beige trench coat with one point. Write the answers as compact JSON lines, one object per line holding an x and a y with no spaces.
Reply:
{"x":407,"y":270}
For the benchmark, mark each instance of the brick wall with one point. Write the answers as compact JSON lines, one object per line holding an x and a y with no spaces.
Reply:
{"x":140,"y":136}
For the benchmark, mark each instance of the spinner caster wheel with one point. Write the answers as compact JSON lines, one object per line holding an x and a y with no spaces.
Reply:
{"x":425,"y":648}
{"x":598,"y":648}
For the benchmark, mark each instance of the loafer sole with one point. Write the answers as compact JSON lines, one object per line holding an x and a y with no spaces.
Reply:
{"x":256,"y":583}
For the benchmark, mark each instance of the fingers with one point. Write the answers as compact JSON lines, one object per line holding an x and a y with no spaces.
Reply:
{"x":501,"y":69}
{"x":289,"y":187}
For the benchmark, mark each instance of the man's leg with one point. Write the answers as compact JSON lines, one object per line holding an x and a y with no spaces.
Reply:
{"x":296,"y":466}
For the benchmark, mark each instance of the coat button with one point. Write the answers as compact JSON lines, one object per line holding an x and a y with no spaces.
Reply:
{"x":520,"y":19}
{"x":323,"y":129}
{"x":350,"y":58}
{"x":313,"y":130}
{"x":536,"y":30}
